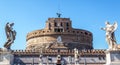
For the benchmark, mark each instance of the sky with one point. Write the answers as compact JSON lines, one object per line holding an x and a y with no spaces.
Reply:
{"x":30,"y":15}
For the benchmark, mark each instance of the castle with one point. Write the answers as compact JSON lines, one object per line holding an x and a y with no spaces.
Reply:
{"x":57,"y":44}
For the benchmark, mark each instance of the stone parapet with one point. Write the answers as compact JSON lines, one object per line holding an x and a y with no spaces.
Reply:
{"x":61,"y":52}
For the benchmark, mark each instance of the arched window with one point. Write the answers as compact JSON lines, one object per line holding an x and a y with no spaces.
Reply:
{"x":61,"y":24}
{"x":67,"y":25}
{"x":55,"y":24}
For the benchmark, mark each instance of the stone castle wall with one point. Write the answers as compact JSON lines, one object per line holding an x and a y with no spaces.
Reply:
{"x":40,"y":37}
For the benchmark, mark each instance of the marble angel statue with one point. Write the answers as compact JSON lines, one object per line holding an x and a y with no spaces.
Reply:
{"x":110,"y":35}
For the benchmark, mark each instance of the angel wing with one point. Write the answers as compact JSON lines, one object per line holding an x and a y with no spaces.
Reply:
{"x":115,"y":25}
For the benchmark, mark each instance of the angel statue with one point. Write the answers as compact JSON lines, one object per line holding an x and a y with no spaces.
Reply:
{"x":76,"y":56}
{"x":10,"y":33}
{"x":110,"y":35}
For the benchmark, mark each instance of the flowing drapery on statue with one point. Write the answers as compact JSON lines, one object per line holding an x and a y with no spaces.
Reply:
{"x":10,"y":34}
{"x":110,"y":35}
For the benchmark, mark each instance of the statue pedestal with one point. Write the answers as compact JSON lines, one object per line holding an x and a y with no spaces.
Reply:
{"x":112,"y":57}
{"x":6,"y":58}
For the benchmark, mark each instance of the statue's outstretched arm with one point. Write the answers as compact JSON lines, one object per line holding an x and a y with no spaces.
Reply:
{"x":103,"y":28}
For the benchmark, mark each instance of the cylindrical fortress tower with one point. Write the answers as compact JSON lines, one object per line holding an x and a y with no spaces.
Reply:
{"x":55,"y":27}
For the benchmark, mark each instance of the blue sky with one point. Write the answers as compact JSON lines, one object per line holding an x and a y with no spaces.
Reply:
{"x":29,"y":15}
